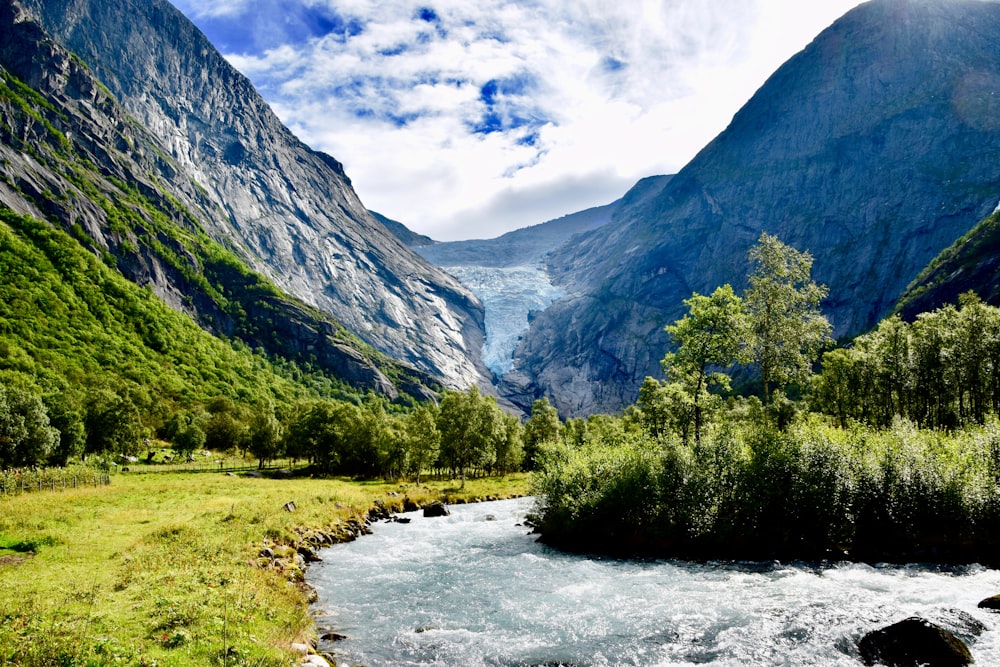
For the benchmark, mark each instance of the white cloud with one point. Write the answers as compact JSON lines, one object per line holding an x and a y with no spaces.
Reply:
{"x":586,"y":97}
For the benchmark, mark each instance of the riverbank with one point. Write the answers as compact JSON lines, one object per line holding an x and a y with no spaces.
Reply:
{"x":171,"y":568}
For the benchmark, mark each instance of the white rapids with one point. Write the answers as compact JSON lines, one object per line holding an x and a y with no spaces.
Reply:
{"x":476,"y":589}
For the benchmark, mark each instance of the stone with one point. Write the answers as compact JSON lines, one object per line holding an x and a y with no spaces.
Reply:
{"x":436,"y":509}
{"x":409,"y":505}
{"x":289,"y":506}
{"x":991,"y":603}
{"x":914,"y":642}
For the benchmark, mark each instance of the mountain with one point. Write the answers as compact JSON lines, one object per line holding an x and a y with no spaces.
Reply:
{"x":250,"y":186}
{"x":72,"y":156}
{"x":528,"y":245}
{"x":874,"y":148}
{"x":402,"y":232}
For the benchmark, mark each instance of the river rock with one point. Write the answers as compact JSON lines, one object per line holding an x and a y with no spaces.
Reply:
{"x":436,"y":508}
{"x":409,"y":505}
{"x":913,"y":642}
{"x":993,"y":603}
{"x":314,"y":660}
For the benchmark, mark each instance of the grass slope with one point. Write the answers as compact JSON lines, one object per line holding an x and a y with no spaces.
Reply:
{"x":66,"y":319}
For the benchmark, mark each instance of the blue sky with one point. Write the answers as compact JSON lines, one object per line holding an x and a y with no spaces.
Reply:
{"x":467,"y":119}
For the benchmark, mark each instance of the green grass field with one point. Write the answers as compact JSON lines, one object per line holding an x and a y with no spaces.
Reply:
{"x":165,"y":569}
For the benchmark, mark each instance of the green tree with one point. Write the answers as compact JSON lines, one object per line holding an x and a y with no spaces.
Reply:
{"x":787,"y":330}
{"x":711,"y":335}
{"x":112,"y":422}
{"x":66,"y":415}
{"x":470,"y":425}
{"x":509,"y":445}
{"x":26,"y":439}
{"x":423,"y":440}
{"x":264,"y":435}
{"x":541,"y":427}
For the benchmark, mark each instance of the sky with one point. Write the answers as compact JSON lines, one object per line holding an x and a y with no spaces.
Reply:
{"x":468,"y":118}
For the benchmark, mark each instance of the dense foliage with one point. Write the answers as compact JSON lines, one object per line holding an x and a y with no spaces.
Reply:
{"x":750,"y":491}
{"x":941,"y":371}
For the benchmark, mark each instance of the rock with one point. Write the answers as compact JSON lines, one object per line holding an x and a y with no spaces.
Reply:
{"x":913,"y":642}
{"x":315,"y":660}
{"x":993,"y":603}
{"x":266,"y":552}
{"x":308,"y":554}
{"x":300,"y":648}
{"x":409,"y":505}
{"x":435,"y":509}
{"x":289,"y":506}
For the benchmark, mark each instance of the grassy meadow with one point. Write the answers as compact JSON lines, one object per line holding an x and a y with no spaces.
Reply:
{"x":164,"y":569}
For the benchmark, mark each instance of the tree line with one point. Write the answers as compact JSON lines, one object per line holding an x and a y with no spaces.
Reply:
{"x":465,"y":433}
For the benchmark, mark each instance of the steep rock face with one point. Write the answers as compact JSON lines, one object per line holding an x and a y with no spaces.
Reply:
{"x":288,"y":210}
{"x":874,"y":149}
{"x":70,"y":154}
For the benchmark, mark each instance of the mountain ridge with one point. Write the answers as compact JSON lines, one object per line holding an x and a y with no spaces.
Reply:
{"x":872,"y":148}
{"x":287,"y":210}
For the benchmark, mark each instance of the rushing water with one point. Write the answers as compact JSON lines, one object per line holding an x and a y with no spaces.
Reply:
{"x":476,"y":589}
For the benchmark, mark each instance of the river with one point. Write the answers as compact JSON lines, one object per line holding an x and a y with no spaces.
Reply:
{"x":477,"y":589}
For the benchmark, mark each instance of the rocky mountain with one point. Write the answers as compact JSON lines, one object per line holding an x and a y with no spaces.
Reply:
{"x":406,"y":235}
{"x":213,"y":145}
{"x":874,"y":148}
{"x":70,"y":154}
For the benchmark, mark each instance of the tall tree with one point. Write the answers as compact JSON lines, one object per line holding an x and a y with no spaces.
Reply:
{"x":423,"y":440}
{"x":787,"y":329}
{"x":542,"y":426}
{"x":710,"y":336}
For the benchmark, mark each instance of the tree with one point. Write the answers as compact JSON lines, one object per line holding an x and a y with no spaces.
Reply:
{"x":543,"y":426}
{"x":711,"y":335}
{"x":787,"y":330}
{"x":66,"y":415}
{"x":112,"y":422}
{"x":509,"y":444}
{"x":26,"y":439}
{"x":422,"y":438}
{"x":264,"y":435}
{"x":470,"y":426}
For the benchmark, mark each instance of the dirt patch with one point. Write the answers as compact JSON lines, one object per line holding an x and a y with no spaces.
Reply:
{"x":14,"y":559}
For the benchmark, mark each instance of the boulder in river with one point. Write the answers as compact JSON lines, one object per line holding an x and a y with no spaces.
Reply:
{"x":436,"y":508}
{"x":914,"y":642}
{"x":993,"y":603}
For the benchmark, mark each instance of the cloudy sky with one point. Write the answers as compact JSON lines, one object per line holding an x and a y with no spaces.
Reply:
{"x":468,"y":118}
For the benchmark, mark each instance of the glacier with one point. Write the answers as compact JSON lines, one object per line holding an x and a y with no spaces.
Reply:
{"x":511,"y":296}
